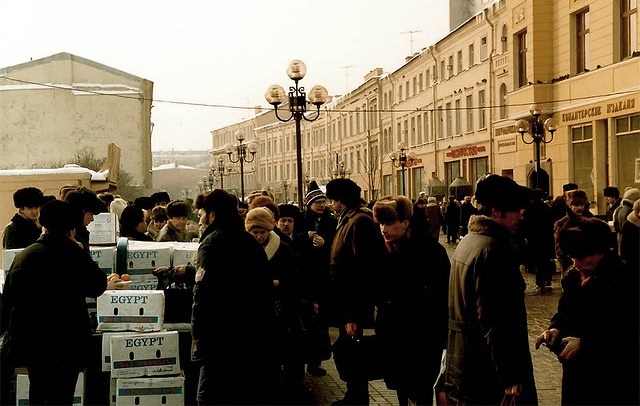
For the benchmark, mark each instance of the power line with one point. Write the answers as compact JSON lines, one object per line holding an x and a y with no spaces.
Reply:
{"x":382,"y":110}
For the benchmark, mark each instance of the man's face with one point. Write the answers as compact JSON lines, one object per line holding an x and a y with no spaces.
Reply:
{"x":179,"y":223}
{"x":509,"y":219}
{"x":610,"y":199}
{"x":577,"y":207}
{"x":336,"y":205}
{"x":588,"y":263}
{"x":30,"y":213}
{"x":88,"y":218}
{"x":260,"y":234}
{"x":318,"y":206}
{"x":285,"y":224}
{"x":392,"y":232}
{"x":158,"y":224}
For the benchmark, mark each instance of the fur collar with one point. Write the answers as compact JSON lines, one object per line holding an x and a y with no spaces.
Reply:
{"x":272,"y":245}
{"x":481,"y":224}
{"x":633,"y":219}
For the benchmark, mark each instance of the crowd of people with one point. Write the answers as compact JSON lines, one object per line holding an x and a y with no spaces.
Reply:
{"x":448,"y":330}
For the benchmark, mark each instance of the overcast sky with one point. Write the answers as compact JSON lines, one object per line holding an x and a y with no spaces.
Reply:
{"x":222,"y":52}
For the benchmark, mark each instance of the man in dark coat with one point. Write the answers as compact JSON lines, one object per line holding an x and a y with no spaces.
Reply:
{"x":232,"y":308}
{"x":411,"y":322}
{"x":540,"y":248}
{"x":597,"y":293}
{"x":23,"y":229}
{"x":488,"y":349}
{"x":45,"y":292}
{"x":467,"y":209}
{"x":356,"y":259}
{"x":452,"y":218}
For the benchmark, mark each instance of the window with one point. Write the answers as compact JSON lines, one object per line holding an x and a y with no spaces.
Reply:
{"x":413,"y":131}
{"x":628,"y":27}
{"x":503,"y":39}
{"x":427,"y":77}
{"x":472,"y":58}
{"x":469,"y":113}
{"x":582,"y":149}
{"x":415,"y":85}
{"x":483,"y":48}
{"x":442,"y":70}
{"x":449,"y":124}
{"x":583,"y":52}
{"x":419,"y":128}
{"x":450,"y":66}
{"x":459,"y":61}
{"x":440,"y":123}
{"x":427,"y":134}
{"x":406,"y":87}
{"x":420,"y":82}
{"x":482,"y":123}
{"x":522,"y":59}
{"x":400,"y":92}
{"x":628,"y":144}
{"x":503,"y":101}
{"x":458,"y":113}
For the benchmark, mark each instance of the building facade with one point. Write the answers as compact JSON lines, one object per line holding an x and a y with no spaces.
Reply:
{"x":54,"y":108}
{"x":455,"y":105}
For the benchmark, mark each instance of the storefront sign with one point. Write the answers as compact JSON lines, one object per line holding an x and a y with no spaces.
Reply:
{"x":507,"y":146}
{"x":597,"y":111}
{"x":472,"y":150}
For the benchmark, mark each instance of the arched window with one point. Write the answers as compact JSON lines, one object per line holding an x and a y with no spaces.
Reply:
{"x":503,"y":101}
{"x":503,"y":39}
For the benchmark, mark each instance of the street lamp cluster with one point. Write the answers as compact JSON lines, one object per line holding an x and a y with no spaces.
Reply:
{"x":243,"y":153}
{"x":402,"y":159}
{"x":297,"y":98}
{"x":340,"y":171}
{"x":538,"y":135}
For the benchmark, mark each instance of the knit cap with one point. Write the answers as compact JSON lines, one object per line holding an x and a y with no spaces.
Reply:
{"x":313,"y":193}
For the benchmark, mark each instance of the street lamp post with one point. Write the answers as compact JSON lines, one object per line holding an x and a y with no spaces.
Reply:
{"x":285,"y":188}
{"x":538,"y":134}
{"x":244,"y":153}
{"x":340,"y":171}
{"x":219,"y":168}
{"x":318,"y":95}
{"x":402,"y":159}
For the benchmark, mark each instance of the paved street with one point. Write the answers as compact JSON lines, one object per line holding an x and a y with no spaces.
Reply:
{"x":547,"y":369}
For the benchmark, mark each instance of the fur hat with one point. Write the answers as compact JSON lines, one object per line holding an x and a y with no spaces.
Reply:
{"x":578,"y":196}
{"x":288,"y":210}
{"x":28,"y":197}
{"x":634,"y":217}
{"x":611,"y":191}
{"x":344,"y":190}
{"x":265,"y":201}
{"x":631,"y":195}
{"x":569,"y":186}
{"x":86,"y":199}
{"x":502,"y":193}
{"x":59,"y":217}
{"x":390,"y":209}
{"x":259,"y":217}
{"x":161,"y":198}
{"x":585,"y":236}
{"x":117,"y":206}
{"x":313,"y":193}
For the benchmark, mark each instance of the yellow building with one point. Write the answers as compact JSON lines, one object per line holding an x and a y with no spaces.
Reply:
{"x":455,"y":105}
{"x":60,"y":106}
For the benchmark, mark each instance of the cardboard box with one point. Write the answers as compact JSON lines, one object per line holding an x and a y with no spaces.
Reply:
{"x":103,"y":229}
{"x":145,"y":354}
{"x":8,"y":256}
{"x":184,"y":253}
{"x":143,"y":257}
{"x":106,"y":348}
{"x":131,"y":310}
{"x":105,"y":257}
{"x":167,"y":390}
{"x":22,"y":390}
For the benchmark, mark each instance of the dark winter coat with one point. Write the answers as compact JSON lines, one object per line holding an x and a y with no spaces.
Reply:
{"x":434,"y":214}
{"x":538,"y":231}
{"x":467,"y":209}
{"x":605,"y":370}
{"x":452,"y":218}
{"x":563,"y":259}
{"x":20,"y":233}
{"x":232,"y":304}
{"x":488,"y":345}
{"x":314,"y":260}
{"x":356,"y":259}
{"x":412,"y":314}
{"x":44,"y":297}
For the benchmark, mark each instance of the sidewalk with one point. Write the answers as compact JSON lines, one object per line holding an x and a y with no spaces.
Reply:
{"x":547,"y":369}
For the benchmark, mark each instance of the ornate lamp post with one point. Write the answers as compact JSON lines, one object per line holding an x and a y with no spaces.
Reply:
{"x":285,"y":188}
{"x":340,"y":171}
{"x":537,"y":135}
{"x":244,"y":153}
{"x":208,"y":181}
{"x":318,"y":95}
{"x":219,"y":168}
{"x":402,"y":159}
